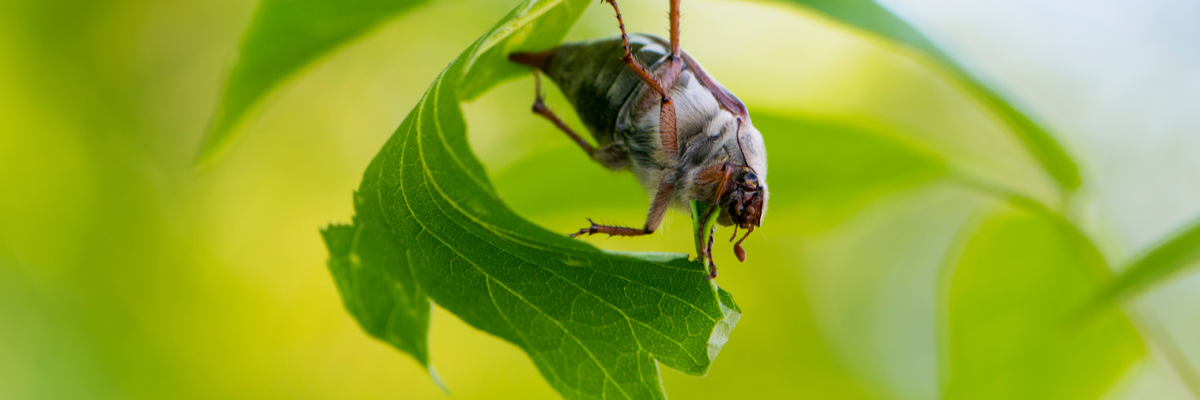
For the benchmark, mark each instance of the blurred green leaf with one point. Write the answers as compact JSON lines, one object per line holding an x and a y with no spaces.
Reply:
{"x":283,"y":37}
{"x":832,"y":168}
{"x":1010,"y":309}
{"x":593,"y":322}
{"x":1156,"y":265}
{"x":871,"y":17}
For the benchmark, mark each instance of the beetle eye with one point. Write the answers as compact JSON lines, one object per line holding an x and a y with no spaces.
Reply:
{"x":751,"y":180}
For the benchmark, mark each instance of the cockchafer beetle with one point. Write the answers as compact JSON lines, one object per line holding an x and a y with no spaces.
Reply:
{"x":654,"y":110}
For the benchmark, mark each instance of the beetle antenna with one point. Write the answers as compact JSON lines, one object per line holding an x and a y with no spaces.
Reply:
{"x":737,"y":247}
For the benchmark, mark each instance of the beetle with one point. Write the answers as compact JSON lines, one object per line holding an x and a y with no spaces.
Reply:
{"x":654,"y":110}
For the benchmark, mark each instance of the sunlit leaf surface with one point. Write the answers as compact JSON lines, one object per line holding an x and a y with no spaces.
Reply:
{"x":593,"y":322}
{"x":285,"y":36}
{"x":1012,"y":314}
{"x":874,"y":18}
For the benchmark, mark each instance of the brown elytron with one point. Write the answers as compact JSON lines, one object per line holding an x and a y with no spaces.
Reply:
{"x":654,"y":110}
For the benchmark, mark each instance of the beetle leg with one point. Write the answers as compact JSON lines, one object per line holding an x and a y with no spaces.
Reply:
{"x":674,"y":15}
{"x":658,"y":209}
{"x":539,"y":108}
{"x":633,"y":62}
{"x":666,"y":122}
{"x":670,"y":70}
{"x":666,"y":115}
{"x":722,"y":187}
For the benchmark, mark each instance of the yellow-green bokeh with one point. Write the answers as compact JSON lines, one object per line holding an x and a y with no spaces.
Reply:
{"x":125,"y":272}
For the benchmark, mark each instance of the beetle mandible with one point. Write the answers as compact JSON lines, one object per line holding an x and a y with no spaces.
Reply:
{"x":653,"y":109}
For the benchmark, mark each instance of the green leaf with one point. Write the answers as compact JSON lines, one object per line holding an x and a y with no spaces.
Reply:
{"x":869,"y":16}
{"x":593,"y":322}
{"x":1155,"y":266}
{"x":283,"y":37}
{"x":378,"y":287}
{"x":1011,"y":309}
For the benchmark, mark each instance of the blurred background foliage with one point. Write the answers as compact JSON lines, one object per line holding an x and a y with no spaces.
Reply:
{"x":894,"y":263}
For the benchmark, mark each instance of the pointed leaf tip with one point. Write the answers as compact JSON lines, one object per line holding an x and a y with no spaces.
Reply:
{"x":284,"y":36}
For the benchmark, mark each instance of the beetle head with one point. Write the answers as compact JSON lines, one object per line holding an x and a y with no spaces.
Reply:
{"x":746,"y":200}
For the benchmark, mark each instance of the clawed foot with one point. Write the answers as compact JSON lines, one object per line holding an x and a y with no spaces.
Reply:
{"x":591,"y":230}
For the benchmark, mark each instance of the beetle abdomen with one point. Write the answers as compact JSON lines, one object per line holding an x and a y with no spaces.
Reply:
{"x":594,"y":78}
